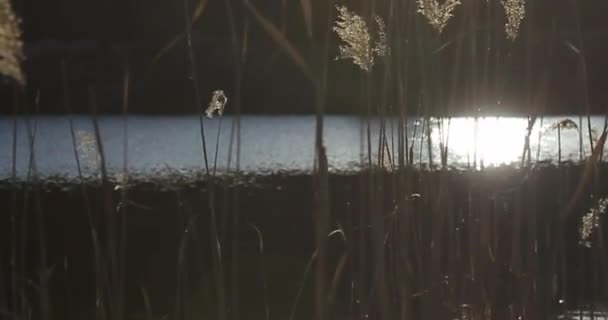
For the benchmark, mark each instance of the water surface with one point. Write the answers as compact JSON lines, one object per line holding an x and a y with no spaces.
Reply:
{"x":158,"y":145}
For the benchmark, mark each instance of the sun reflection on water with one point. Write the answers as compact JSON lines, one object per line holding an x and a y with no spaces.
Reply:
{"x":485,"y":141}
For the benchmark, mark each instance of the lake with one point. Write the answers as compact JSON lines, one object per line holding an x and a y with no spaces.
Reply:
{"x":171,"y":145}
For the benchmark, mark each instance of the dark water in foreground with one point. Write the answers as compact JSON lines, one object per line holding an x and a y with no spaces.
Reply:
{"x":166,"y":145}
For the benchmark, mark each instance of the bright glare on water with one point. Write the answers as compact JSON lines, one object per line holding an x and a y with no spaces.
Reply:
{"x":492,"y":141}
{"x":500,"y":141}
{"x":496,"y":141}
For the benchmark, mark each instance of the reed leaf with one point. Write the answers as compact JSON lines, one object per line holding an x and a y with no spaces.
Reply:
{"x":198,"y":11}
{"x":196,"y":14}
{"x":586,"y":176}
{"x":307,"y":13}
{"x":279,"y":38}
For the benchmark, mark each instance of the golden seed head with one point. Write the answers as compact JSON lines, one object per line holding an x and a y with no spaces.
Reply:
{"x":11,"y":47}
{"x":354,"y":33}
{"x":437,"y":14}
{"x":217,"y":104}
{"x":516,"y":12}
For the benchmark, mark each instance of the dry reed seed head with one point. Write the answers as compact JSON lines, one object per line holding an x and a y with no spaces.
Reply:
{"x":87,"y":145}
{"x":591,"y":221}
{"x":381,"y":47}
{"x":564,"y":124}
{"x":437,"y":14}
{"x":11,"y":47}
{"x":515,"y":11}
{"x":217,"y":104}
{"x":354,"y":33}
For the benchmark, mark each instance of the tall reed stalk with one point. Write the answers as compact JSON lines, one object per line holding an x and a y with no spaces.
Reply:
{"x":417,"y":241}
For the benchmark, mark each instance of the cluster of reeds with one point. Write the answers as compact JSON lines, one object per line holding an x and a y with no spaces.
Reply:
{"x":420,"y":245}
{"x":415,"y":244}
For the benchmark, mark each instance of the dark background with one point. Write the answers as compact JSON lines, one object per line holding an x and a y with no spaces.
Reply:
{"x":99,"y":40}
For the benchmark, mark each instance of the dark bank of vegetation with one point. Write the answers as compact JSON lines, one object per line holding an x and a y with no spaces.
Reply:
{"x":495,"y":244}
{"x":391,"y":242}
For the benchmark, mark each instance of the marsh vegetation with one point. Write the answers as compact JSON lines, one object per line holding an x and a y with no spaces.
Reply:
{"x":394,"y":240}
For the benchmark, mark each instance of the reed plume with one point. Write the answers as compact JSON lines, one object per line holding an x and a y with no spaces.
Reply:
{"x":11,"y":47}
{"x":437,"y":14}
{"x":515,"y":11}
{"x":217,"y":103}
{"x":354,"y":33}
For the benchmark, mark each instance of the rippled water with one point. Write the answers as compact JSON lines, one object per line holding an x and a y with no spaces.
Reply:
{"x":583,"y":315}
{"x":273,"y":144}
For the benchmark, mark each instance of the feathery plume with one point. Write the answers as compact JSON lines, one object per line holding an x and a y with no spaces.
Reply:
{"x":516,"y":12}
{"x":354,"y":32}
{"x":381,"y":48}
{"x":11,"y":47}
{"x":437,"y":14}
